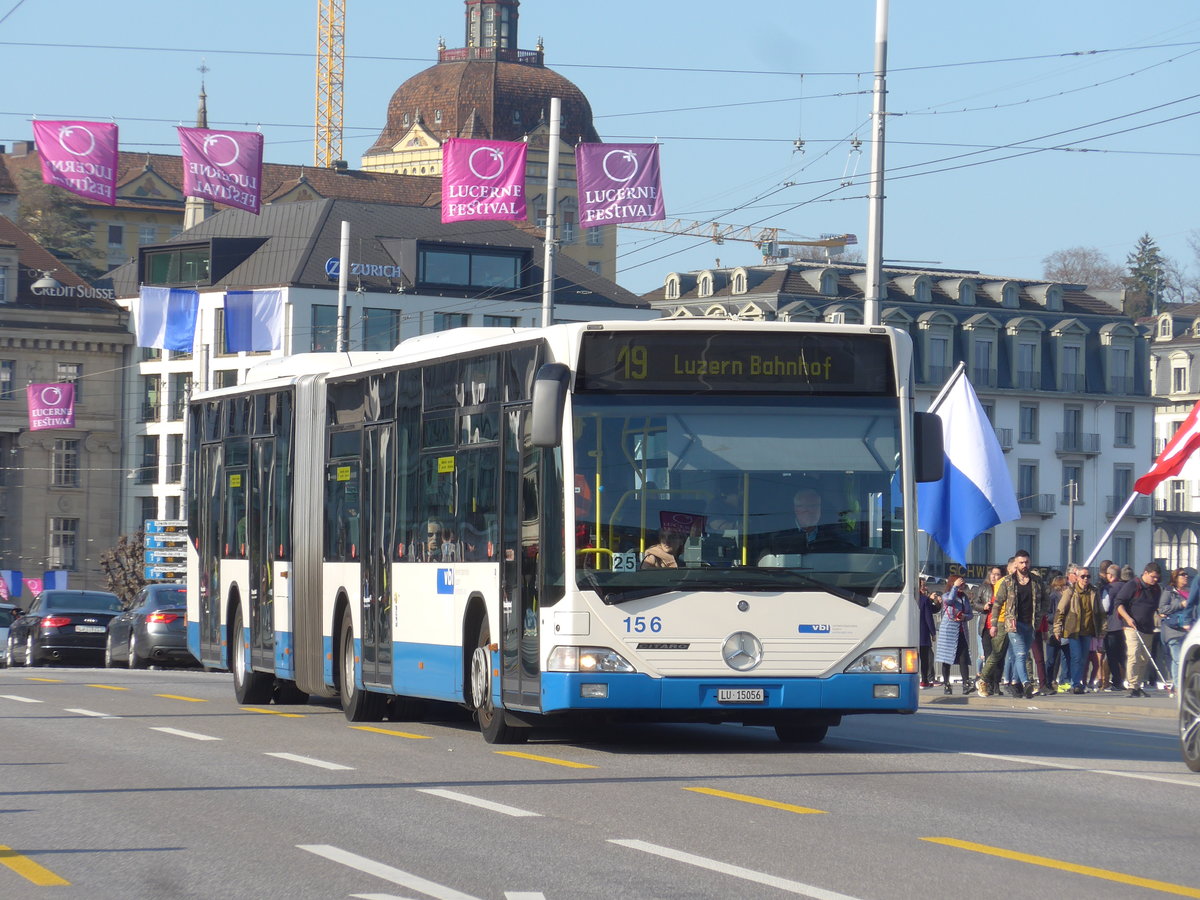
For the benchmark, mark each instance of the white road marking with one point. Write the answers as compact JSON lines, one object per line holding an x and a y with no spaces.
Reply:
{"x":19,"y":699}
{"x":476,"y":801}
{"x":1067,"y":767}
{"x":93,"y":713}
{"x":187,"y":734}
{"x":783,"y":884}
{"x":387,"y":873}
{"x":524,"y":895}
{"x":309,"y":761}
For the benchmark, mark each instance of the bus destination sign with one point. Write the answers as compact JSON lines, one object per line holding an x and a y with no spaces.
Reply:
{"x":736,"y":361}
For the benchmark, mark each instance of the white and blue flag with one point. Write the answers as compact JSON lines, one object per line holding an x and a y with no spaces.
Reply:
{"x":253,"y":320}
{"x":976,"y":492}
{"x":166,"y":318}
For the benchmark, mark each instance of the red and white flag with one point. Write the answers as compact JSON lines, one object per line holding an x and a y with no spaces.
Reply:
{"x":1170,"y":462}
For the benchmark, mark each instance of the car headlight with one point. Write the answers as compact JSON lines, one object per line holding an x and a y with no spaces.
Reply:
{"x":587,"y":659}
{"x":885,"y":661}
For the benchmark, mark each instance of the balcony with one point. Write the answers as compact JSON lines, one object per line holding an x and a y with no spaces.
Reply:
{"x":521,"y":57}
{"x":1076,"y":443}
{"x":149,"y":412}
{"x":1120,"y":384}
{"x":1071,"y":381}
{"x":1037,"y":505}
{"x":1141,"y":509}
{"x":938,"y":374}
{"x":1027,"y":381}
{"x":176,"y":409}
{"x":1005,"y":439}
{"x":983,"y":378}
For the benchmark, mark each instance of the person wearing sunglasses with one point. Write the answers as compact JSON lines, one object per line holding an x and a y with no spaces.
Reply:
{"x":1078,"y":619}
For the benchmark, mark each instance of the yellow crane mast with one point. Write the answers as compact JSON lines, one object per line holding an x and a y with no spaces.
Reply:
{"x":331,"y":69}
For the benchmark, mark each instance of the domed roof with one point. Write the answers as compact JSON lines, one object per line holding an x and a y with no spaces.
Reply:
{"x":477,"y":98}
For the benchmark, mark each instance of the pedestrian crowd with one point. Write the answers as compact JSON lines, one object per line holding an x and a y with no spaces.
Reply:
{"x":1073,"y":632}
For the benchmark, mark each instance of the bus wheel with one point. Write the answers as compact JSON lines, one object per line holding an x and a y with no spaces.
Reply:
{"x":491,"y":720}
{"x":357,"y":705}
{"x":248,"y":686}
{"x":801,"y":732}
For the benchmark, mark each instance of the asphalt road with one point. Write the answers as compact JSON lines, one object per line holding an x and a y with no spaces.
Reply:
{"x":157,"y":784}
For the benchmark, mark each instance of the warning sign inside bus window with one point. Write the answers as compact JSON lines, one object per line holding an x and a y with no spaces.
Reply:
{"x":235,"y":480}
{"x":445,"y":464}
{"x":826,"y":362}
{"x":343,"y":473}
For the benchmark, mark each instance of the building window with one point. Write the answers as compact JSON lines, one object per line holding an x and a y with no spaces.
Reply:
{"x":1072,"y":479}
{"x":151,"y":354}
{"x":1122,"y":545}
{"x":939,"y":359}
{"x":705,"y":286}
{"x":437,"y":116}
{"x":1121,"y":378}
{"x":219,"y":347}
{"x":1072,"y":378}
{"x":70,"y":373}
{"x":1070,"y":546}
{"x":180,"y":354}
{"x":566,"y":232}
{"x":1164,"y":327}
{"x":470,"y":268}
{"x":149,"y":508}
{"x":1123,"y":427}
{"x":188,"y":266}
{"x":501,"y":321}
{"x":64,"y":538}
{"x":445,"y":321}
{"x":173,"y":508}
{"x":150,"y":398}
{"x":223,"y":378}
{"x":595,"y":237}
{"x":1029,"y":423}
{"x":380,"y":329}
{"x":1028,"y":540}
{"x":147,"y":470}
{"x":174,"y":458}
{"x":1027,"y":365}
{"x":324,"y":328}
{"x":1027,"y":484}
{"x":983,"y":370}
{"x":1177,"y":495}
{"x":180,"y":390}
{"x":983,"y":549}
{"x":147,"y":234}
{"x":596,"y":266}
{"x":1122,"y":485}
{"x":8,"y":369}
{"x":1179,"y":380}
{"x":3,"y":284}
{"x":116,"y":235}
{"x":65,"y":463}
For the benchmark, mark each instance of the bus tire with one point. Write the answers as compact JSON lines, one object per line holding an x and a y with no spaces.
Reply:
{"x":248,"y":686}
{"x":357,"y":705}
{"x":801,"y":732}
{"x":492,"y":726}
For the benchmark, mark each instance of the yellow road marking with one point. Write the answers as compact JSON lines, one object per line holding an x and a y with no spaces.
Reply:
{"x":1108,"y":875}
{"x":47,"y":680}
{"x":545,"y":759}
{"x":757,"y":801}
{"x":181,"y":697}
{"x":403,"y":734}
{"x":108,"y":687}
{"x":271,"y":712}
{"x":29,"y":870}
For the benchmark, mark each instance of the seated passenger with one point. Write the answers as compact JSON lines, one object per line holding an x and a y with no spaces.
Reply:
{"x":667,"y":553}
{"x":809,"y":533}
{"x":726,"y":512}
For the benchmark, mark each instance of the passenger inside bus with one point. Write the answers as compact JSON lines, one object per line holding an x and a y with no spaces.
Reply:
{"x":668,"y":552}
{"x":810,"y":532}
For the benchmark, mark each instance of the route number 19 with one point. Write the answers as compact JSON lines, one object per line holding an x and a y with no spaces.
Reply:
{"x":634,"y":359}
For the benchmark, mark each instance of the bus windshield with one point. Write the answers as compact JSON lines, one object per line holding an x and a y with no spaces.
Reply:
{"x":747,"y":493}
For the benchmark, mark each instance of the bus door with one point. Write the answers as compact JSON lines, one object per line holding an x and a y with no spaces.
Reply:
{"x":260,"y":541}
{"x":209,"y":481}
{"x":377,"y":515}
{"x":520,"y":540}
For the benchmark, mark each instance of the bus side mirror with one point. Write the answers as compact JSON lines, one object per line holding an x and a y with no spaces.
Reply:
{"x":549,"y":401}
{"x":929,"y":452}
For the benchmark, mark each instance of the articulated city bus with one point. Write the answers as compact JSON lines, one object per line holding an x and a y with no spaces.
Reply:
{"x":666,"y":521}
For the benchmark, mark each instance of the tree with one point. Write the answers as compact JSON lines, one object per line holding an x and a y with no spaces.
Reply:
{"x":1148,"y":276}
{"x":59,"y":222}
{"x":124,"y":567}
{"x":1083,"y":265}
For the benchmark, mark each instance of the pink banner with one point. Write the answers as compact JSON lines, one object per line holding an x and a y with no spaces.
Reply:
{"x":51,"y":406}
{"x":33,"y":585}
{"x":223,"y":166}
{"x":483,"y":180}
{"x":80,"y":157}
{"x":618,"y":183}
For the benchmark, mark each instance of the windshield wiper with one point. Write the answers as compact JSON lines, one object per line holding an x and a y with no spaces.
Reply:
{"x":792,"y":574}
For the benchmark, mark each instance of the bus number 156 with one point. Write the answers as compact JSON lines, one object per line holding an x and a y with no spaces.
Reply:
{"x":641,"y":624}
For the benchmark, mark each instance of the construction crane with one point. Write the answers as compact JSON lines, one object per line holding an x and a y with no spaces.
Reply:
{"x":331,"y":69}
{"x":768,"y":240}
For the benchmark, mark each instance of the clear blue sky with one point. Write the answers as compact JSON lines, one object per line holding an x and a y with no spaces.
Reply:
{"x":720,"y":85}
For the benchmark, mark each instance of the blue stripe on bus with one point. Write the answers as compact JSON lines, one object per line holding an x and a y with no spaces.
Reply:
{"x":285,"y":655}
{"x":561,"y":691}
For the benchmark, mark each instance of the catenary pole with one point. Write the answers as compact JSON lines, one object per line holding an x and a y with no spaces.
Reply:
{"x":551,"y":214}
{"x":343,"y":281}
{"x":874,"y":292}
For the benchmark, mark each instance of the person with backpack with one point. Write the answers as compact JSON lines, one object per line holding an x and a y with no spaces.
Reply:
{"x":1177,"y":616}
{"x":1077,"y":619}
{"x":1136,"y":605}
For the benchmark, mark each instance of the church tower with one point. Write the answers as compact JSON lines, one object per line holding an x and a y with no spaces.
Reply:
{"x":492,"y":89}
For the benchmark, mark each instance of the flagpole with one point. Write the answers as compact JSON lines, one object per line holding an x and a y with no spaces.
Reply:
{"x":958,"y":373}
{"x":551,"y":214}
{"x":1111,"y":528}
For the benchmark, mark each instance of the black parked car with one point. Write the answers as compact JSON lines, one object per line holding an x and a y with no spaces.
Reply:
{"x":62,"y":625}
{"x":153,"y":630}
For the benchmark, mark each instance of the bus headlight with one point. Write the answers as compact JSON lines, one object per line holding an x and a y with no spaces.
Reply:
{"x":883,"y":661}
{"x":587,"y":659}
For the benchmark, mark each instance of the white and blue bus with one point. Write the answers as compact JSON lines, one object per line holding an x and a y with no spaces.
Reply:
{"x":469,"y":519}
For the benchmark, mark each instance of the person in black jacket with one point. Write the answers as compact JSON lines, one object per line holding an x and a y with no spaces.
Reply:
{"x":1136,"y":605}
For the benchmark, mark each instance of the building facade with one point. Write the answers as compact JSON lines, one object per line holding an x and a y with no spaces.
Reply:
{"x":60,"y":488}
{"x":1061,"y":372}
{"x":410,"y":274}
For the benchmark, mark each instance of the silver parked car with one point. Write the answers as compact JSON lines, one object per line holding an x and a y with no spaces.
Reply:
{"x":152,"y":630}
{"x":8,"y":612}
